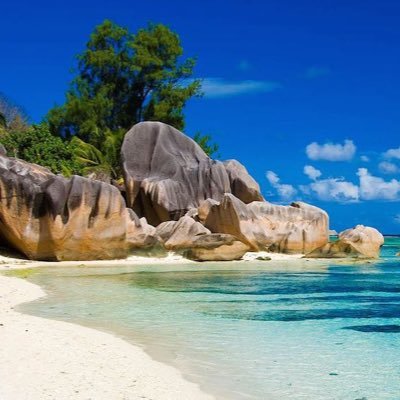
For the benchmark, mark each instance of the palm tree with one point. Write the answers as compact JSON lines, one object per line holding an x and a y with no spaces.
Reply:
{"x":102,"y":163}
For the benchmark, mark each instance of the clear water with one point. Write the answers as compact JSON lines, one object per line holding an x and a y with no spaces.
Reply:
{"x":266,"y":330}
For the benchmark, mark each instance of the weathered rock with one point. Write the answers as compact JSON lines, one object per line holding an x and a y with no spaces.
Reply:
{"x":49,"y":217}
{"x":167,"y":173}
{"x":298,"y":228}
{"x":263,"y":258}
{"x":359,"y":242}
{"x":139,"y":234}
{"x":243,"y":186}
{"x":176,"y":235}
{"x":3,"y":151}
{"x":204,"y":209}
{"x":216,"y":247}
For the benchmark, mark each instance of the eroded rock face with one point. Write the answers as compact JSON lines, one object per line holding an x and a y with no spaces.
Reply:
{"x":243,"y":186}
{"x":49,"y":217}
{"x":298,"y":228}
{"x":177,"y":235}
{"x":167,"y":173}
{"x":359,"y":242}
{"x":216,"y":247}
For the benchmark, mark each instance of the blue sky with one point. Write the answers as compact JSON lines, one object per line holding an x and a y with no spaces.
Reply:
{"x":304,"y":93}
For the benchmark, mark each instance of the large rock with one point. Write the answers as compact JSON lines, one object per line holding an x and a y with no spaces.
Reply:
{"x":167,"y":173}
{"x":49,"y":217}
{"x":359,"y":242}
{"x":176,"y":235}
{"x":298,"y":228}
{"x":243,"y":186}
{"x":216,"y":247}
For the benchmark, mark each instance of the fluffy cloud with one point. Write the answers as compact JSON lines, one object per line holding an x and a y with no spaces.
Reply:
{"x":311,"y":172}
{"x":333,"y":189}
{"x":331,"y":151}
{"x":388,"y":168}
{"x":216,"y":87}
{"x":365,"y":158}
{"x":376,"y":188}
{"x":285,"y":191}
{"x":392,"y":153}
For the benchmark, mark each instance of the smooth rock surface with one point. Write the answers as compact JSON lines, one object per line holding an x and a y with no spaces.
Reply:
{"x":167,"y":173}
{"x":243,"y":186}
{"x":216,"y":247}
{"x":180,"y":234}
{"x":298,"y":228}
{"x":358,"y":242}
{"x":49,"y":217}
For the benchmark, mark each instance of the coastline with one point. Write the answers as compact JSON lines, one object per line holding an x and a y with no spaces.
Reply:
{"x":59,"y":360}
{"x":48,"y":359}
{"x":9,"y":262}
{"x":89,"y":363}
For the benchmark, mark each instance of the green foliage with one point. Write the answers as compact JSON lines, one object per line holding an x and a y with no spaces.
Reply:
{"x":122,"y":79}
{"x":37,"y":145}
{"x":105,"y":162}
{"x":12,"y":116}
{"x":204,"y":141}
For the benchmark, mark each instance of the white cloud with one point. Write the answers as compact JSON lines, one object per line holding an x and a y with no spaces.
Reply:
{"x":365,"y":158}
{"x":392,"y":153}
{"x":376,"y":188}
{"x":333,"y":189}
{"x":285,"y":191}
{"x":311,"y":172}
{"x":331,"y":151}
{"x":388,"y":168}
{"x":216,"y":87}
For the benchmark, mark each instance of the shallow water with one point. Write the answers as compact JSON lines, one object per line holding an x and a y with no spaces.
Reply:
{"x":266,"y":330}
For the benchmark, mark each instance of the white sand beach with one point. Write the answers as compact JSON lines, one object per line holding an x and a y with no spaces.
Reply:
{"x":46,"y":359}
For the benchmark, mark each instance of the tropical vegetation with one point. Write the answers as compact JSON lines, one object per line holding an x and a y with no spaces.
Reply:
{"x":122,"y":78}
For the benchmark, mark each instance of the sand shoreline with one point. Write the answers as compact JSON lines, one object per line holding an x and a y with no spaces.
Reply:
{"x":9,"y":262}
{"x":48,"y":359}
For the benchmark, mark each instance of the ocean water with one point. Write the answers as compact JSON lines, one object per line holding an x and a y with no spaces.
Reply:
{"x":249,"y":330}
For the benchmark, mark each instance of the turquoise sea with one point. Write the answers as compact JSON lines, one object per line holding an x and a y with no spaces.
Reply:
{"x":249,"y":330}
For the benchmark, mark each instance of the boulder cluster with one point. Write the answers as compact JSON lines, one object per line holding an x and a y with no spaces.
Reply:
{"x":175,"y":198}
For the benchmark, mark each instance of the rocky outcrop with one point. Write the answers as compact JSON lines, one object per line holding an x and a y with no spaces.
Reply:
{"x":359,"y":242}
{"x":298,"y":228}
{"x":196,"y":242}
{"x":208,"y":210}
{"x":216,"y":247}
{"x":177,"y":235}
{"x":243,"y":186}
{"x":49,"y":217}
{"x":167,"y":173}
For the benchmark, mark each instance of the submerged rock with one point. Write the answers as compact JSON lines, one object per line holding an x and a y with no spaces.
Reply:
{"x":49,"y":217}
{"x":298,"y":228}
{"x":359,"y":242}
{"x":167,"y":173}
{"x":216,"y":247}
